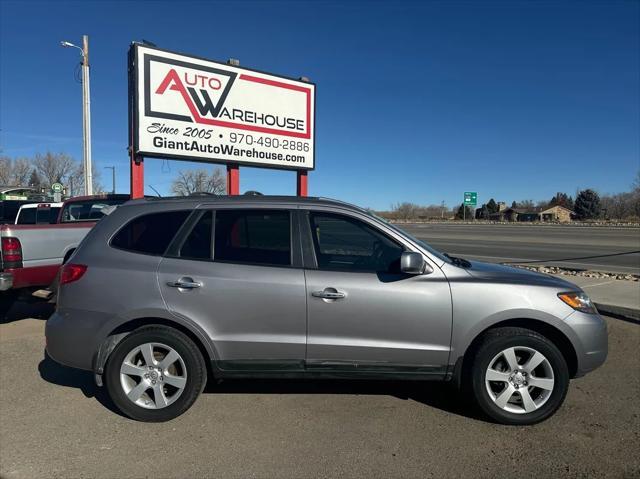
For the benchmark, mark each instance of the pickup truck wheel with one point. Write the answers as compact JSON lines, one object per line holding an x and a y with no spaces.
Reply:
{"x":519,"y":377}
{"x":155,"y":374}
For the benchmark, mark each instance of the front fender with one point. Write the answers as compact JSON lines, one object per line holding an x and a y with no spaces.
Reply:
{"x":466,"y":332}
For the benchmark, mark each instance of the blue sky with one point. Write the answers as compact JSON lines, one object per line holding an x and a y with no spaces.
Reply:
{"x":416,"y":101}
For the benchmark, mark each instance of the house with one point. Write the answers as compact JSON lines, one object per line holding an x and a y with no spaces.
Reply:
{"x":557,"y":213}
{"x":511,"y":214}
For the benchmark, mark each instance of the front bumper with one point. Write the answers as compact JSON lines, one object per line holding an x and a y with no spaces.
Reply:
{"x":591,"y":340}
{"x":6,"y":281}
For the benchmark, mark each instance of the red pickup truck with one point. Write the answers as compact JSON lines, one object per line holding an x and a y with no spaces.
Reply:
{"x":30,"y":255}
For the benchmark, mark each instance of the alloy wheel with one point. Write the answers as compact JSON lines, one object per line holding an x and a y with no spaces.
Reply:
{"x":519,"y":380}
{"x":153,"y":375}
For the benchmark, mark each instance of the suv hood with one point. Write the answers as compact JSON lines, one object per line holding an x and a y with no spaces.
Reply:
{"x":500,"y":273}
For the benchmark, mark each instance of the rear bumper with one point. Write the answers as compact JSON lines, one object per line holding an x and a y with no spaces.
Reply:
{"x":72,"y":338}
{"x":33,"y":276}
{"x":6,"y":281}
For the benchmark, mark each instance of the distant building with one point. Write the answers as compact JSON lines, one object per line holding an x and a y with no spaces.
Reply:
{"x":557,"y":213}
{"x":511,"y":214}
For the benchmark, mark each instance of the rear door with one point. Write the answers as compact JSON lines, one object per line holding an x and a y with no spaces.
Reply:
{"x":238,"y":274}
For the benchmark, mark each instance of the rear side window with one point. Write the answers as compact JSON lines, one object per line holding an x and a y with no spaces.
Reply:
{"x":27,"y":216}
{"x":253,"y":236}
{"x":197,"y":244}
{"x":151,"y":233}
{"x":53,"y":214}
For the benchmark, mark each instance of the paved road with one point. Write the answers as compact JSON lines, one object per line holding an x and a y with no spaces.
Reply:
{"x":56,"y":423}
{"x":501,"y":243}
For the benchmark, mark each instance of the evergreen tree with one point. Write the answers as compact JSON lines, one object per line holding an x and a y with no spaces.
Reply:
{"x":482,"y":213}
{"x":561,"y":199}
{"x":587,"y":205}
{"x":34,"y":179}
{"x":464,"y":212}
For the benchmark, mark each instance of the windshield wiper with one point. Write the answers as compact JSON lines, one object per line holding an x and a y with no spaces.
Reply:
{"x":463,"y":263}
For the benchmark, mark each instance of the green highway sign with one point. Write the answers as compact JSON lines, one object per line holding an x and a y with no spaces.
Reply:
{"x":470,"y":198}
{"x":57,"y":187}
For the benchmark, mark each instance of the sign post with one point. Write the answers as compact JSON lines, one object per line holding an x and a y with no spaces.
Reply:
{"x":57,"y":189}
{"x":470,"y":199}
{"x":189,"y":108}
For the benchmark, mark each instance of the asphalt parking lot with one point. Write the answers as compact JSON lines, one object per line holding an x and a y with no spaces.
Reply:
{"x":56,"y":423}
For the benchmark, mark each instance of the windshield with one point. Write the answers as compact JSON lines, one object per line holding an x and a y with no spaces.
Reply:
{"x":426,"y":246}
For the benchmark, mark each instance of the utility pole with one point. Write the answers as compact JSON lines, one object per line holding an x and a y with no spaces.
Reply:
{"x":442,"y":210}
{"x":86,"y":114}
{"x":113,"y":178}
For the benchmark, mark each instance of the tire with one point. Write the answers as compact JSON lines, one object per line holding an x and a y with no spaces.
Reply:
{"x":162,"y":391}
{"x":519,"y":395}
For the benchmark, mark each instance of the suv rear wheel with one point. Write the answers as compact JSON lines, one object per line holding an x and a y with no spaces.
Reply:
{"x":155,"y":374}
{"x":518,"y":376}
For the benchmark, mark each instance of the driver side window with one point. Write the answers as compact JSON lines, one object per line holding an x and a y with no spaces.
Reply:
{"x":347,"y":244}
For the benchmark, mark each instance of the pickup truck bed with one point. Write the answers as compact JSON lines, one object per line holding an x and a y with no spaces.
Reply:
{"x":43,"y":250}
{"x":30,"y":255}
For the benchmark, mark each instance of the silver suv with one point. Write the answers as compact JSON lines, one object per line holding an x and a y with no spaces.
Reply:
{"x":164,"y":293}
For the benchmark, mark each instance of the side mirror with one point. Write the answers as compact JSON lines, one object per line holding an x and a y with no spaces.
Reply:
{"x":413,"y":263}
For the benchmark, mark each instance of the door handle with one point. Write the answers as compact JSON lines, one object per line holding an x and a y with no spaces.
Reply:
{"x":184,"y":283}
{"x":329,"y":293}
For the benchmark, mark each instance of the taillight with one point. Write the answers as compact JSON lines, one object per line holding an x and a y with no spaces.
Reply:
{"x":72,"y":272}
{"x":11,"y":250}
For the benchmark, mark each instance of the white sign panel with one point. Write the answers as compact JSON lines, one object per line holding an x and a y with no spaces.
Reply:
{"x":194,"y":109}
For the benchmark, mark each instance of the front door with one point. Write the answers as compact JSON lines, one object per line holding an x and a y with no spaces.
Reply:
{"x":246,"y":293}
{"x":363,"y":313}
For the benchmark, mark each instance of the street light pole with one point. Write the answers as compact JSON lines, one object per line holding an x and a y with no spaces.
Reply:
{"x":86,"y":114}
{"x":113,"y":178}
{"x":86,"y":117}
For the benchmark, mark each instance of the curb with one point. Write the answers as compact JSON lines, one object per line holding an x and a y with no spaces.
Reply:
{"x":621,"y":312}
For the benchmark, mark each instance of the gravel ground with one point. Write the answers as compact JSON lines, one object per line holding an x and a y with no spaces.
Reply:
{"x":56,"y":423}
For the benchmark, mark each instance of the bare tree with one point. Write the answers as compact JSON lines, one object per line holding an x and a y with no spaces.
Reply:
{"x":405,"y":211}
{"x":14,"y":172}
{"x":199,"y":181}
{"x":5,"y":170}
{"x":526,"y":204}
{"x":21,"y":171}
{"x":54,"y":167}
{"x":76,"y":180}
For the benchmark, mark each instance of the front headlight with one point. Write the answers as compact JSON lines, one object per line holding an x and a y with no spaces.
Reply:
{"x":578,"y":301}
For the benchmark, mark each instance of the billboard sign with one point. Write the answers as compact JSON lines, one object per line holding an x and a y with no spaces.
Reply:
{"x":194,"y":109}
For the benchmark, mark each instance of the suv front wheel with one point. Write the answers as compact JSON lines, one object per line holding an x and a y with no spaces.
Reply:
{"x":155,"y":374}
{"x":519,"y":377}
